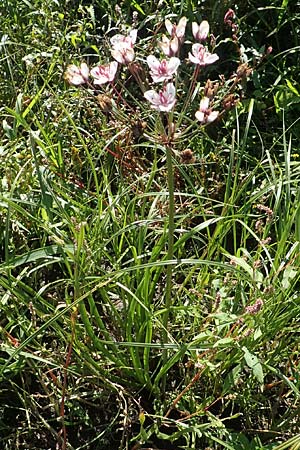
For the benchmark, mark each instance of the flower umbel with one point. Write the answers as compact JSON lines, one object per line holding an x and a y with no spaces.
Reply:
{"x":204,"y":113}
{"x":200,"y":55}
{"x":164,"y":100}
{"x":105,"y":73}
{"x":162,"y":70}
{"x":200,"y":32}
{"x":122,"y":47}
{"x":77,"y":75}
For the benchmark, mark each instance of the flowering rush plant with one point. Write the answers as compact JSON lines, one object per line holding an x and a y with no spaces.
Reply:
{"x":170,"y":81}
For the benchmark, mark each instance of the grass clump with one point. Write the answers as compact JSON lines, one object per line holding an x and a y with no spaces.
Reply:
{"x":149,"y":226}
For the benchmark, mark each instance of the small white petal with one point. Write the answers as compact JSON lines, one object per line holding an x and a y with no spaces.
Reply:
{"x":211,"y":58}
{"x":193,"y":59}
{"x":152,"y":97}
{"x":116,"y":39}
{"x":173,"y":64}
{"x":195,"y":29}
{"x":180,"y":29}
{"x":174,"y":45}
{"x":118,"y":56}
{"x":203,"y":30}
{"x":212,"y":116}
{"x":170,"y":90}
{"x":204,"y":104}
{"x":153,"y":62}
{"x":76,"y":80}
{"x":133,"y":35}
{"x":84,"y":70}
{"x":199,"y":116}
{"x":113,"y":67}
{"x":169,"y":26}
{"x":196,"y":48}
{"x":166,"y":108}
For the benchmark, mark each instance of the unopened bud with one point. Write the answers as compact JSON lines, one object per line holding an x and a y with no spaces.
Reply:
{"x":269,"y":50}
{"x":135,"y":17}
{"x":187,"y":156}
{"x":229,"y":16}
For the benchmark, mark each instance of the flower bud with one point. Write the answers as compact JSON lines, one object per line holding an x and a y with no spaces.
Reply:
{"x":230,"y":14}
{"x":269,"y":50}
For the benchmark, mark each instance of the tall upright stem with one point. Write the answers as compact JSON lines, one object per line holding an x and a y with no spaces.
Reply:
{"x":170,"y":256}
{"x":171,"y":227}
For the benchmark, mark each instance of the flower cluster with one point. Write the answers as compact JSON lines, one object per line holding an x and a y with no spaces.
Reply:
{"x":254,"y":309}
{"x":122,"y":51}
{"x":161,"y":70}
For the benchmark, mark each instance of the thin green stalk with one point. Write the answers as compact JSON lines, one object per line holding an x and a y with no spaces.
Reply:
{"x":171,"y":229}
{"x":189,"y":95}
{"x":170,"y":255}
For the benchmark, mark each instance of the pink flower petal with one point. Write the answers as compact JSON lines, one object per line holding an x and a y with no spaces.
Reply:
{"x":176,"y":30}
{"x":193,"y":59}
{"x":84,"y":70}
{"x":204,"y":114}
{"x":77,"y":75}
{"x":152,"y":97}
{"x":162,"y":70}
{"x":133,"y":35}
{"x":200,"y":55}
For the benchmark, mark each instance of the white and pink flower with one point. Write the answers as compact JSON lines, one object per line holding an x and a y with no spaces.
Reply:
{"x":177,"y":30}
{"x":200,"y":32}
{"x":205,"y":114}
{"x":105,"y":73}
{"x":162,"y":70}
{"x":169,"y":47}
{"x":163,"y":100}
{"x":77,"y":75}
{"x":201,"y":56}
{"x":122,"y":47}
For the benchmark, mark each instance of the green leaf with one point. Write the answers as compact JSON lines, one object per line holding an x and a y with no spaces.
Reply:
{"x":292,"y":87}
{"x":253,"y":273}
{"x":135,"y":5}
{"x":49,"y":252}
{"x":254,"y":364}
{"x":224,"y":342}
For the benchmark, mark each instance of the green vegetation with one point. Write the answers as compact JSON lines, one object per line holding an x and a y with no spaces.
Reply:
{"x":116,"y":333}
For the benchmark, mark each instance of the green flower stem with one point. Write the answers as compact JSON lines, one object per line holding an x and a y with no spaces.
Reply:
{"x":170,"y":256}
{"x":171,"y":228}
